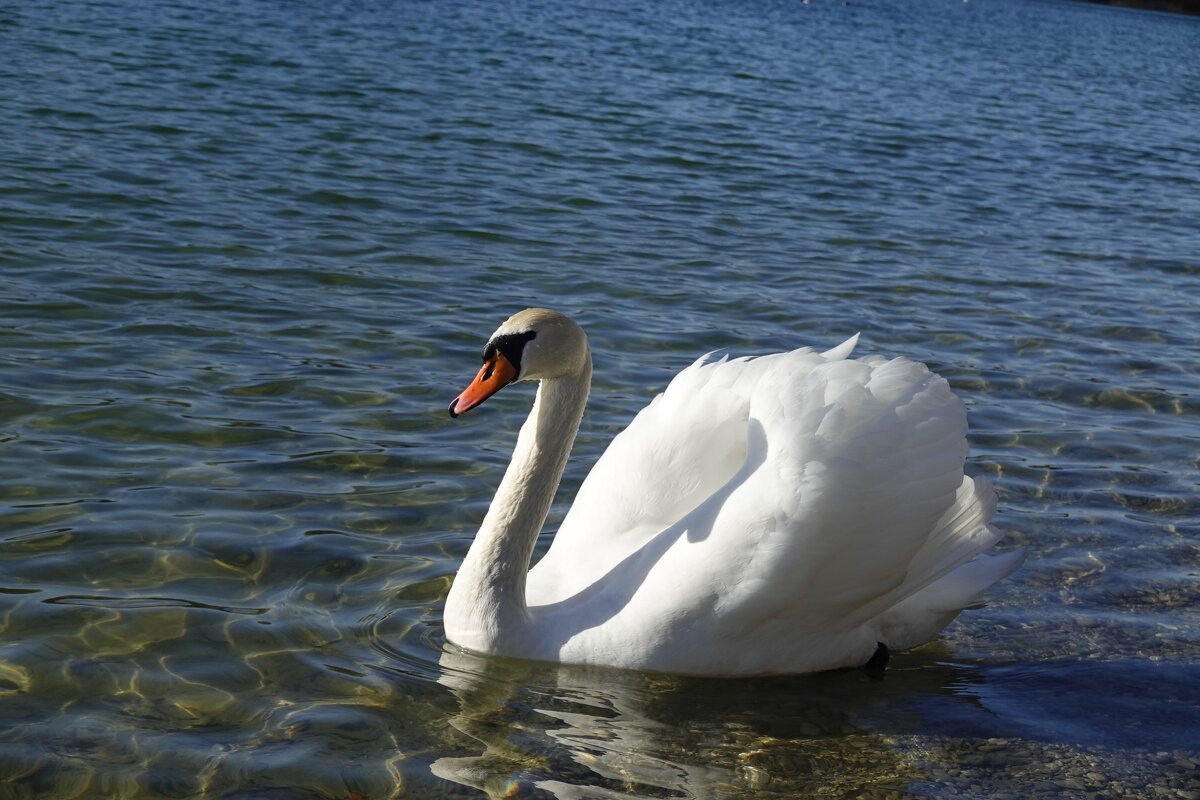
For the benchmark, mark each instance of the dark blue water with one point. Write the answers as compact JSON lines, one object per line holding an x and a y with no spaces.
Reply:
{"x":250,"y":250}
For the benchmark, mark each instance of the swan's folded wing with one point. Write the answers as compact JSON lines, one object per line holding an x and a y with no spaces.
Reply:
{"x":682,"y":447}
{"x":863,"y":460}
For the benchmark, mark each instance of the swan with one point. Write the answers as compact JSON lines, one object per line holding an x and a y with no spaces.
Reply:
{"x":781,"y":514}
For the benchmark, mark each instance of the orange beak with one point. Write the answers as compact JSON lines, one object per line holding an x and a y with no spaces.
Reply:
{"x":496,"y":373}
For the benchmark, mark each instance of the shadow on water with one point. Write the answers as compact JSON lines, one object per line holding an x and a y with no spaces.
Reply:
{"x":535,"y":730}
{"x":1151,"y":705}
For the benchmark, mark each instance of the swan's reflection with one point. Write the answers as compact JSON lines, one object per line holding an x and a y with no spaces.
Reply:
{"x":576,"y":732}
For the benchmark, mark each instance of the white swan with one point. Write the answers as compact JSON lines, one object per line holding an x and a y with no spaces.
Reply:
{"x":782,"y":514}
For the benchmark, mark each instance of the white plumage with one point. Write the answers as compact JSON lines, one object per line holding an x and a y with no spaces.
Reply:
{"x":779,"y":514}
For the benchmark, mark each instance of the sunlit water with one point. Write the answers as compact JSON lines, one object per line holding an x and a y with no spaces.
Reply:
{"x":249,"y":251}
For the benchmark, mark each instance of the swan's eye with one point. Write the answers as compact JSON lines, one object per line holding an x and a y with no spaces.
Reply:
{"x":509,"y":345}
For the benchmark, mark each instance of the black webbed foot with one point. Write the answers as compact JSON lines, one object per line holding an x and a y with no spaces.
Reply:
{"x":879,"y":661}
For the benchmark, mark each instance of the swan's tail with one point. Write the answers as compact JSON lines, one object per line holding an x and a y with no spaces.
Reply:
{"x":918,"y":618}
{"x":960,"y":534}
{"x":948,"y":574}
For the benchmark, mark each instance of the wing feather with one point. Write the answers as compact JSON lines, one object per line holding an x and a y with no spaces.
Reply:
{"x":677,"y":452}
{"x":864,"y":459}
{"x":800,"y":493}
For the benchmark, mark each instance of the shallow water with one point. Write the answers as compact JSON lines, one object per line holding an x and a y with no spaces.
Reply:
{"x":250,"y":251}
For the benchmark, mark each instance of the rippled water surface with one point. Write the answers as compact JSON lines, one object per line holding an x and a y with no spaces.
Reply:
{"x":250,"y":250}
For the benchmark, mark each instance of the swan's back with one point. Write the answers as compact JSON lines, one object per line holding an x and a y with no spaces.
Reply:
{"x":773,"y":514}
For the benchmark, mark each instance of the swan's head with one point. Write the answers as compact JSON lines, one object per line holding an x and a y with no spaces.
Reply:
{"x":531,"y":345}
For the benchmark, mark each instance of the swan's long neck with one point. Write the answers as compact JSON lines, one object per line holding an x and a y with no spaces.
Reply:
{"x":486,"y":607}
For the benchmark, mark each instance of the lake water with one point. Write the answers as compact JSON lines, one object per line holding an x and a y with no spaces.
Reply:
{"x":250,"y":250}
